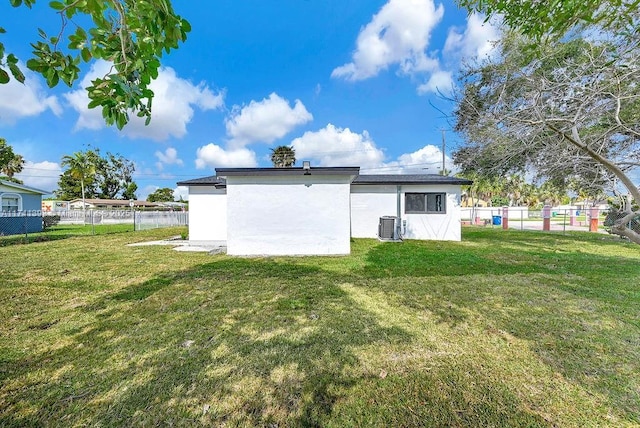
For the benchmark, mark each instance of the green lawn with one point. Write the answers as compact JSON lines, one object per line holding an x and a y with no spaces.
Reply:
{"x":506,"y":328}
{"x":62,"y":231}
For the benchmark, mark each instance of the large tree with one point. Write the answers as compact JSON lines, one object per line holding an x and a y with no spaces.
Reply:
{"x":570,"y":111}
{"x":163,"y":194}
{"x":132,"y":35}
{"x":540,"y":19}
{"x":81,"y":166}
{"x":114,"y":175}
{"x":10,"y":162}
{"x":94,"y":175}
{"x":6,"y":153}
{"x":283,"y":157}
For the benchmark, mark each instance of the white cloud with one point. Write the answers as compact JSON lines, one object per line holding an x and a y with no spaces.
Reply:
{"x":214,"y":156}
{"x":398,"y":34}
{"x":173,"y":105}
{"x":169,"y":157}
{"x":332,"y":146}
{"x":477,"y":39}
{"x":439,"y":82}
{"x":181,"y":191}
{"x":264,"y":121}
{"x":143,"y":194}
{"x":41,"y":175}
{"x":19,"y":100}
{"x":427,"y":160}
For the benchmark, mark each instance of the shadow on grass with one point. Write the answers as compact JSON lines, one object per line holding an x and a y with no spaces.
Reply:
{"x":255,"y":342}
{"x":6,"y":241}
{"x":577,"y":308}
{"x":491,"y":254}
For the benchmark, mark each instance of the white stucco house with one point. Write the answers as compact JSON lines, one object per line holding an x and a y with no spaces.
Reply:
{"x":317,"y":210}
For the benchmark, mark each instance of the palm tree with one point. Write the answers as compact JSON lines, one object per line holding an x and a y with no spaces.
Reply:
{"x":283,"y":157}
{"x":14,"y":166}
{"x":81,"y":167}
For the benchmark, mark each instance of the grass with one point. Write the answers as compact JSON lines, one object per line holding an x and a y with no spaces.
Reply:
{"x":506,"y":328}
{"x":63,"y":232}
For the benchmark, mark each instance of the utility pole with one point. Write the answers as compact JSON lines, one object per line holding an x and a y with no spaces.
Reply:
{"x":444,"y":147}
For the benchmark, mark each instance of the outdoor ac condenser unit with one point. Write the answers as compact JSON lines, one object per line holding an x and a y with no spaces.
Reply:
{"x":387,"y":228}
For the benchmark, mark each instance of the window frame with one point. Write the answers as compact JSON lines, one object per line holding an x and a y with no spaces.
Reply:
{"x":426,"y":196}
{"x":10,"y":196}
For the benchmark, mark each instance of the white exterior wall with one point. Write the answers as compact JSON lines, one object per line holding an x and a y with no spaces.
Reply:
{"x":370,"y":202}
{"x":288,"y":215}
{"x":207,"y":214}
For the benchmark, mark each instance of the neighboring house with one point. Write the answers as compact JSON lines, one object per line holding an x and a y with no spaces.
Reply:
{"x":53,"y":206}
{"x":298,"y":211}
{"x":20,"y":208}
{"x":173,"y":206}
{"x":467,"y":201}
{"x":109,"y":204}
{"x":585,"y":205}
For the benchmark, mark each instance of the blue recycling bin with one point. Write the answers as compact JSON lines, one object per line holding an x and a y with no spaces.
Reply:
{"x":497,"y":220}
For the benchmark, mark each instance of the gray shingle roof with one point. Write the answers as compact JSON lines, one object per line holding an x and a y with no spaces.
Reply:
{"x":410,"y":179}
{"x":217,"y":181}
{"x":342,"y":170}
{"x":212,"y":180}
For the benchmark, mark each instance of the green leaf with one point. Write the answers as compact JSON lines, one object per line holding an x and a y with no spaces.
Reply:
{"x":186,"y":26}
{"x":12,"y":59}
{"x":2,"y":30}
{"x":16,"y":3}
{"x":53,"y":79}
{"x":17,"y":73}
{"x":56,"y":5}
{"x":4,"y":77}
{"x":36,"y":65}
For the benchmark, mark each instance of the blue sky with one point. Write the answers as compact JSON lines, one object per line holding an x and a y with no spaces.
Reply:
{"x":347,"y":83}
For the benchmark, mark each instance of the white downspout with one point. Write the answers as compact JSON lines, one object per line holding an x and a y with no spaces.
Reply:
{"x":398,"y":213}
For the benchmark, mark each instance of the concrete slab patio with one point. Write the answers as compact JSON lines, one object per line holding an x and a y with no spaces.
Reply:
{"x":188,"y":246}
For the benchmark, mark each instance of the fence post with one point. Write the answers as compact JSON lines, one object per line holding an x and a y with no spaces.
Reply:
{"x":505,"y":218}
{"x":572,"y":216}
{"x":133,"y":213}
{"x":593,"y":222}
{"x":546,"y":217}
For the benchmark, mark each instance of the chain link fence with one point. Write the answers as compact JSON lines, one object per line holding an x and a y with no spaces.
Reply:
{"x":17,"y":226}
{"x":145,"y":220}
{"x":523,"y":218}
{"x":614,"y":215}
{"x":553,"y":219}
{"x":20,"y":222}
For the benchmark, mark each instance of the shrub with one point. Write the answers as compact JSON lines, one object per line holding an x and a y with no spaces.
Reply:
{"x":50,"y":220}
